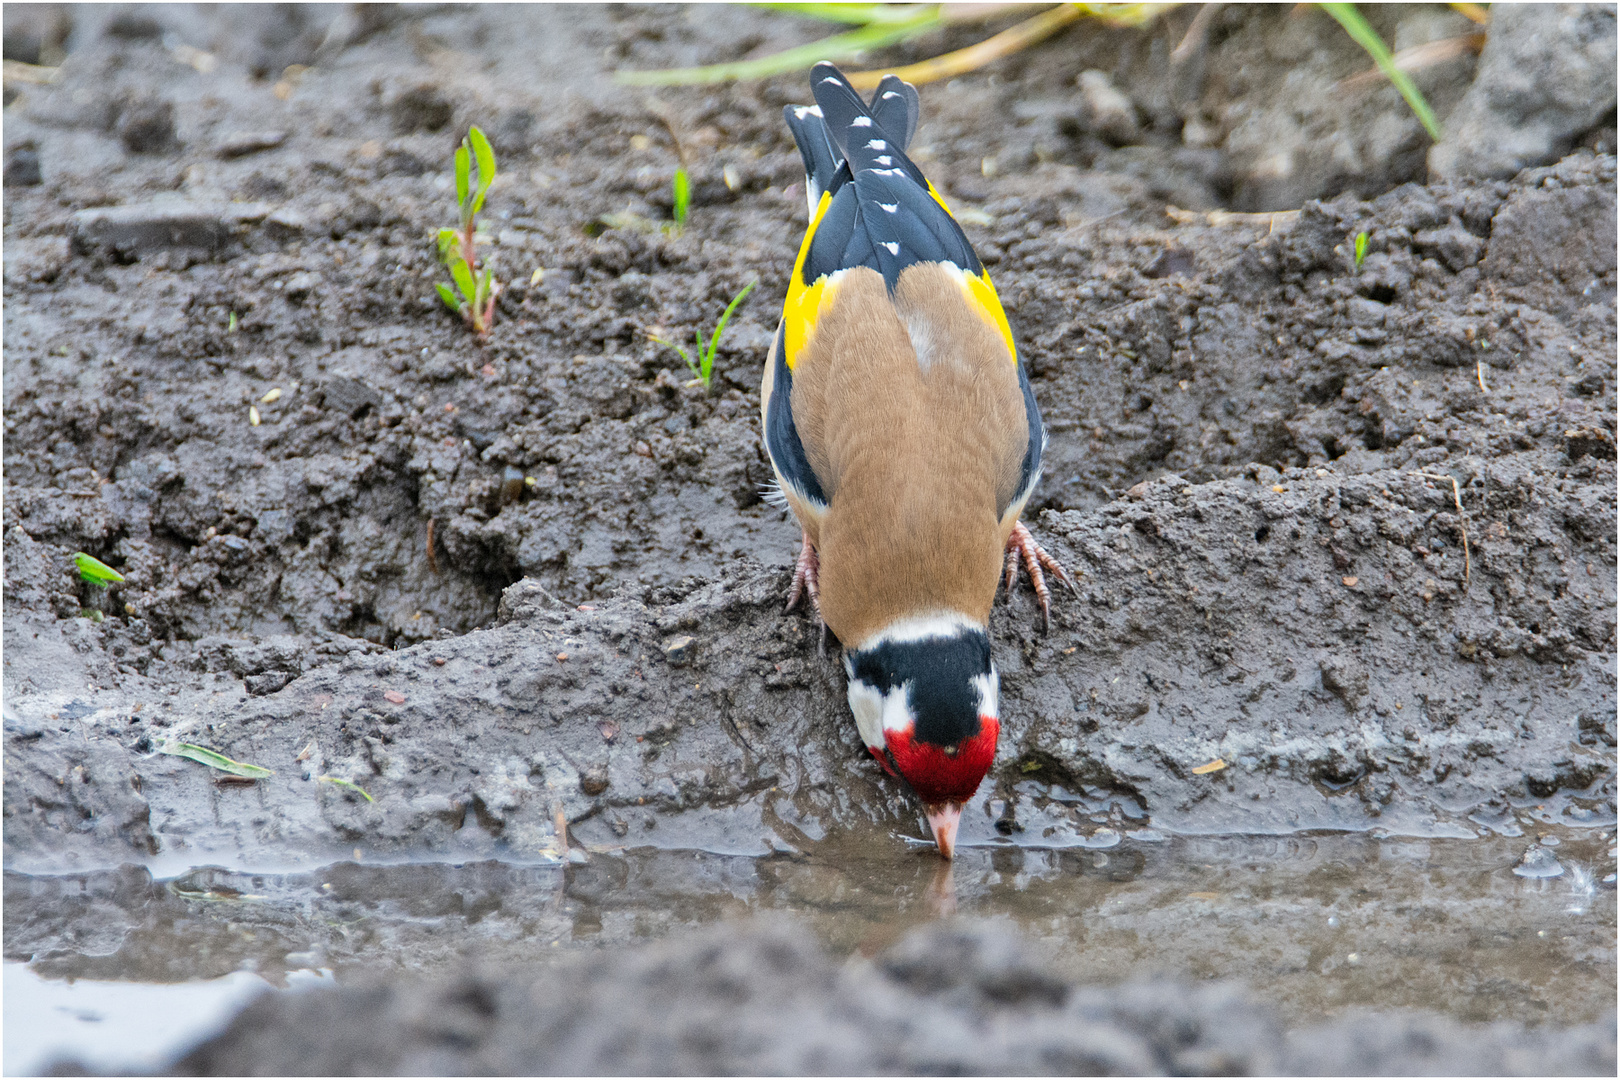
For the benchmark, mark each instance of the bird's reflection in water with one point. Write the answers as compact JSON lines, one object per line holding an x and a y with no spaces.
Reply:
{"x":929,"y":896}
{"x":942,"y":890}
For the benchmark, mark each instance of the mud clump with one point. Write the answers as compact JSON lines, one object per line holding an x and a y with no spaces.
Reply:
{"x":713,"y":1005}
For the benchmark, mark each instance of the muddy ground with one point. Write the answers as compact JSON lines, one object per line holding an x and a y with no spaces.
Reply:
{"x":1348,"y":529}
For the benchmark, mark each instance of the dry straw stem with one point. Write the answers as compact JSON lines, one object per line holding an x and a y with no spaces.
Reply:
{"x":1197,"y":33}
{"x":1462,"y":522}
{"x":1009,"y":41}
{"x":1479,"y":370}
{"x":1230,"y":217}
{"x":1419,"y":57}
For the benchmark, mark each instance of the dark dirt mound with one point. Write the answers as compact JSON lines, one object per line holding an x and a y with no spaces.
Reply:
{"x":951,"y":999}
{"x":1344,"y":527}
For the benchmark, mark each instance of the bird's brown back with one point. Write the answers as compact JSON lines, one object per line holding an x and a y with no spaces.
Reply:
{"x":912,"y":417}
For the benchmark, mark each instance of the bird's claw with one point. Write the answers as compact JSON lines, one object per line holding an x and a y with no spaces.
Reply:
{"x":1021,"y":547}
{"x":806,"y":582}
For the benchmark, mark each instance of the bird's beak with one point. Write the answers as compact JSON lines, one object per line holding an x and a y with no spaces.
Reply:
{"x":942,"y":820}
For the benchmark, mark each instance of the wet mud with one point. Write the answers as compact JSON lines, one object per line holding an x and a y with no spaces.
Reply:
{"x":1344,"y":528}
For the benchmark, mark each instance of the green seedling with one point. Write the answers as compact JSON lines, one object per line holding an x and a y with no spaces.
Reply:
{"x":681,"y":192}
{"x":472,"y":292}
{"x":1365,"y":36}
{"x":1361,"y":248}
{"x":232,"y":323}
{"x":701,"y":360}
{"x":214,"y":759}
{"x":95,"y":571}
{"x":348,"y":784}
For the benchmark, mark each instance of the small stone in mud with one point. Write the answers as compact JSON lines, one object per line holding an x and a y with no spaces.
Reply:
{"x":679,"y":650}
{"x":22,"y":166}
{"x":147,"y":127}
{"x":242,"y":144}
{"x":1538,"y":862}
{"x":594,"y":780}
{"x":1346,"y":678}
{"x":394,"y":697}
{"x":511,"y":484}
{"x":267,"y":683}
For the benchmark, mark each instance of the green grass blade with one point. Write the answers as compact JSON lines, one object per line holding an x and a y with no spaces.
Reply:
{"x":485,"y":156}
{"x":856,"y":14}
{"x":720,"y":327}
{"x":682,"y":195}
{"x":1365,"y":36}
{"x":838,"y":47}
{"x":95,"y":571}
{"x":349,"y":784}
{"x":214,"y":759}
{"x":677,"y":348}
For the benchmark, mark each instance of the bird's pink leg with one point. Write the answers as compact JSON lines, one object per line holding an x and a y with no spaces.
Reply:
{"x":805,"y":578}
{"x":806,"y":573}
{"x":1021,"y":547}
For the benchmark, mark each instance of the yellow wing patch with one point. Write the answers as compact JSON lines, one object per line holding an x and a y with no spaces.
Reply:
{"x":803,"y":304}
{"x":982,"y":295}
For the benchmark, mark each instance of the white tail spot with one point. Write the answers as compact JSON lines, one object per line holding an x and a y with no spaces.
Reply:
{"x":890,"y":207}
{"x":884,"y":159}
{"x":861,"y":121}
{"x":877,"y":144}
{"x":802,"y":111}
{"x":894,"y":248}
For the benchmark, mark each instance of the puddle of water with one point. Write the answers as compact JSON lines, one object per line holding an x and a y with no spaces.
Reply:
{"x":112,"y":1026}
{"x":1314,"y":924}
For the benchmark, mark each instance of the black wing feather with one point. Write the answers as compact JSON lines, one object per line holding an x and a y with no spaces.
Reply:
{"x":781,"y":435}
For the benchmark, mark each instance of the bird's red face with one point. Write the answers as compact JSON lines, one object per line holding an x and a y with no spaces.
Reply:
{"x":945,"y":777}
{"x":925,"y":700}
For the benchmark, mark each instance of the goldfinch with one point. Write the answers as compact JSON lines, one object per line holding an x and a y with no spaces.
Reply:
{"x":906,"y":440}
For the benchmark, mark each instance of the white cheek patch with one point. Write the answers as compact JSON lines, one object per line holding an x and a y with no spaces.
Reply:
{"x":876,"y":713}
{"x":867,"y":705}
{"x":989,"y":688}
{"x":897,"y":711}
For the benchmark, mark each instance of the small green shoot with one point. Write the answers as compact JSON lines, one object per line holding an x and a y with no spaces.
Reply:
{"x":232,"y":323}
{"x":473,"y":293}
{"x":348,"y":784}
{"x":95,"y":571}
{"x":1365,"y":36}
{"x":701,"y":360}
{"x":1361,"y":248}
{"x":682,"y":195}
{"x":214,"y":759}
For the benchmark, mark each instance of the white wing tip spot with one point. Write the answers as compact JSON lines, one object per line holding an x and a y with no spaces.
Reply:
{"x":884,"y":159}
{"x":877,"y":144}
{"x":860,"y":121}
{"x":802,"y":111}
{"x":890,"y":207}
{"x":894,"y":248}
